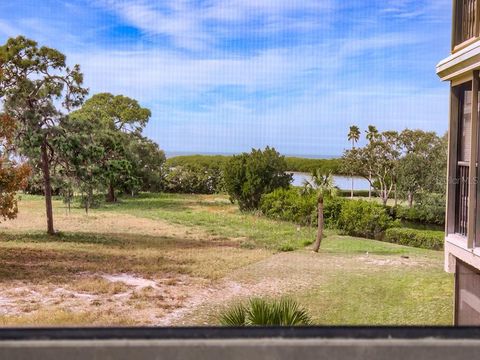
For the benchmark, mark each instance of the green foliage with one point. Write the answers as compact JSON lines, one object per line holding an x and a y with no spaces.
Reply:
{"x":207,"y":161}
{"x":333,"y":166}
{"x":364,"y":218}
{"x":195,"y":174}
{"x":290,"y":205}
{"x":357,"y":193}
{"x":426,"y":239}
{"x":301,"y":208}
{"x":428,"y":209}
{"x":250,"y":175}
{"x":36,"y":87}
{"x":261,"y":312}
{"x":423,"y":167}
{"x":286,"y":247}
{"x":293,"y":163}
{"x":147,"y":161}
{"x":194,"y":179}
{"x":377,"y":161}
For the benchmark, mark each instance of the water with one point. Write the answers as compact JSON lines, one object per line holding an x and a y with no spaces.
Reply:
{"x":342,"y":182}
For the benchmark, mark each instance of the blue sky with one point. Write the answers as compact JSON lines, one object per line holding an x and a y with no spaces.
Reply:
{"x":228,"y":75}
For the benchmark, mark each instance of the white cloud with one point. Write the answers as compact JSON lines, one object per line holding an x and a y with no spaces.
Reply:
{"x":185,"y":23}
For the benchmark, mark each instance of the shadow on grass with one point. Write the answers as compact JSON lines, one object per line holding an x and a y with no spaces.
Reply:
{"x":37,"y":257}
{"x":121,"y":240}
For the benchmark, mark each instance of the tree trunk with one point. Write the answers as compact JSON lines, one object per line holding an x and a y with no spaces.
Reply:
{"x":396,"y":198}
{"x":384,"y":195}
{"x":410,"y":199}
{"x":47,"y":188}
{"x":351,"y":192}
{"x":111,"y":193}
{"x":369,"y":185}
{"x":318,"y":241}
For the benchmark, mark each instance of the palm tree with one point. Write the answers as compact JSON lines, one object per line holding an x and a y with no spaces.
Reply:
{"x":353,"y":136}
{"x":372,"y":135}
{"x":323,"y":185}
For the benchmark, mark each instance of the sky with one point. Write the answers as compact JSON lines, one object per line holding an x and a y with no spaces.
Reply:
{"x":223,"y":76}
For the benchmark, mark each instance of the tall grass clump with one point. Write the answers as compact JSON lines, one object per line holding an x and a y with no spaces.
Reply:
{"x":261,"y":312}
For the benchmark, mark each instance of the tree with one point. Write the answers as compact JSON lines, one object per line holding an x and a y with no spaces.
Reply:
{"x":36,"y":86}
{"x":13,"y":176}
{"x":353,"y":136}
{"x":422,"y":166}
{"x":80,"y":157}
{"x":372,"y":134}
{"x":250,"y":175}
{"x":118,"y":121}
{"x":323,"y":185}
{"x":148,"y":161}
{"x":377,"y":162}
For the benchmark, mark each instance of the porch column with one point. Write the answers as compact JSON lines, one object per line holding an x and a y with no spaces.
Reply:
{"x":452,"y":159}
{"x":472,"y":174}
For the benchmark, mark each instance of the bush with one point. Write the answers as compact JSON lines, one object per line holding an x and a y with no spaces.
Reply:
{"x":364,"y":219}
{"x":249,"y":176}
{"x":194,"y":179}
{"x":293,"y":205}
{"x":426,"y":239}
{"x":429,"y":209}
{"x":290,"y":205}
{"x":260,"y":312}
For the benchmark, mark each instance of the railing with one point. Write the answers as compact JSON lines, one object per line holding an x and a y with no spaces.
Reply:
{"x":461,"y":206}
{"x":465,"y":21}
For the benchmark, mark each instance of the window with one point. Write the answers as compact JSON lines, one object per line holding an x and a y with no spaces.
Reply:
{"x":465,"y":21}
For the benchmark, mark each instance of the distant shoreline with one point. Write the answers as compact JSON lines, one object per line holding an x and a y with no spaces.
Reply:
{"x":172,"y":154}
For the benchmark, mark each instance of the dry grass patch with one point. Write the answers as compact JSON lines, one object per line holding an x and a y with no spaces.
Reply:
{"x":61,"y":317}
{"x":99,"y":285}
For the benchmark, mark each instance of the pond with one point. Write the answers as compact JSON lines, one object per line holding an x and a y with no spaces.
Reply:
{"x":342,"y":182}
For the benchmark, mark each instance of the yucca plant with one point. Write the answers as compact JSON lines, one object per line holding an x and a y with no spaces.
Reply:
{"x":261,"y":312}
{"x":234,"y":316}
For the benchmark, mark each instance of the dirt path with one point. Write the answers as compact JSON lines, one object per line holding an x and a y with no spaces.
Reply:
{"x":281,"y":274}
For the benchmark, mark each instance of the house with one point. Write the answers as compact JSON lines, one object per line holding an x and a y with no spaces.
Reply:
{"x":462,"y":230}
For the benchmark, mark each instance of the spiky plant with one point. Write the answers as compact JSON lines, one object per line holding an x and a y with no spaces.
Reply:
{"x":261,"y":312}
{"x":234,"y":316}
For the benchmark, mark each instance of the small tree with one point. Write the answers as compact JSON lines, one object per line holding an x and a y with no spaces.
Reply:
{"x":353,"y":136}
{"x":377,"y":162}
{"x":118,"y":120}
{"x":36,"y":86}
{"x":13,"y":176}
{"x":249,"y":176}
{"x":423,"y":163}
{"x":323,"y":185}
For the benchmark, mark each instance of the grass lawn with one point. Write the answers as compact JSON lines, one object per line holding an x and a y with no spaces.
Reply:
{"x":179,"y":259}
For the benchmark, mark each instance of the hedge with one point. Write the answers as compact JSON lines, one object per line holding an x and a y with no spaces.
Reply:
{"x":291,"y":205}
{"x":426,"y":239}
{"x":364,"y":219}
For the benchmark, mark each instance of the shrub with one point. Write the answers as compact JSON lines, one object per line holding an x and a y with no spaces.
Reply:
{"x":290,"y":205}
{"x":261,"y":312}
{"x":286,"y":247}
{"x":194,"y":179}
{"x":426,"y":239}
{"x":429,"y":209}
{"x":249,"y":176}
{"x":298,"y":207}
{"x":364,"y":219}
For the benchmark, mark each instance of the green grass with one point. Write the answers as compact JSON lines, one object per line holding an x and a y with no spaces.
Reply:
{"x":352,"y":281}
{"x":218,"y":217}
{"x":383,"y":297}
